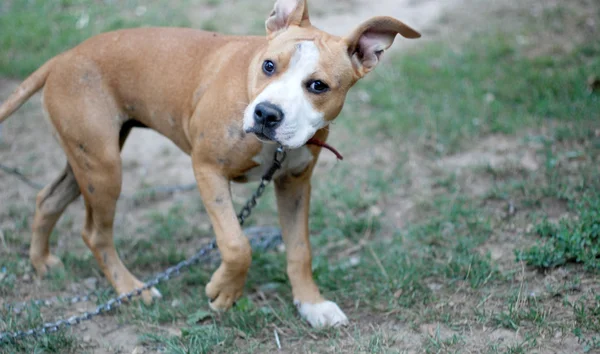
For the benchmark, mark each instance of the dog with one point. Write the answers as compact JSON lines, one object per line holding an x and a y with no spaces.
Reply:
{"x":228,"y":102}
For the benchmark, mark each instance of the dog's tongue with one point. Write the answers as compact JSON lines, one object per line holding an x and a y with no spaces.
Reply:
{"x":314,"y":141}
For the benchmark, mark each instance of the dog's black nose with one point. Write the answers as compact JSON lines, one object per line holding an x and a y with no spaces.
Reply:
{"x":268,"y":115}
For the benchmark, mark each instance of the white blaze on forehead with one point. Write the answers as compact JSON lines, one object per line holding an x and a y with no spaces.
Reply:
{"x":301,"y":120}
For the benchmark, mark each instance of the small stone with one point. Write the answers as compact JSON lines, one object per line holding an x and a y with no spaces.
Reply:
{"x":496,"y":253}
{"x":241,"y":334}
{"x":562,"y":272}
{"x":354,"y":261}
{"x":27,"y":278}
{"x":176,"y":303}
{"x":529,"y":161}
{"x":375,"y":210}
{"x":176,"y":332}
{"x":87,"y":338}
{"x":529,"y":228}
{"x":434,"y":286}
{"x":269,"y":287}
{"x":138,"y":350}
{"x":91,"y":283}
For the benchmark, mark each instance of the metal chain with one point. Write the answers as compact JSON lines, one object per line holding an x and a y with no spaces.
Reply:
{"x":174,"y":271}
{"x":278,"y":158}
{"x":19,"y":306}
{"x":261,"y":238}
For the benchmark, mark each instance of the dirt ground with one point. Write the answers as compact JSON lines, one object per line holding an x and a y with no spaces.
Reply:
{"x":151,"y":160}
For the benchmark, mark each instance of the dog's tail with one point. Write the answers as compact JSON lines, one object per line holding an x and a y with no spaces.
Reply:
{"x":25,"y":90}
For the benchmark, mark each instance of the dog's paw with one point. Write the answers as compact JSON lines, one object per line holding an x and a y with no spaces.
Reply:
{"x":147,"y":296}
{"x":150,"y":295}
{"x":224,"y":288}
{"x":43,"y":265}
{"x":323,"y":314}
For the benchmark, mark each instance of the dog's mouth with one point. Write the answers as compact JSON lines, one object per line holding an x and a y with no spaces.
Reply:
{"x":262,"y":134}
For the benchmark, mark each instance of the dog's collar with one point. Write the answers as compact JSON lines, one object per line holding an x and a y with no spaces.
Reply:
{"x":314,"y":141}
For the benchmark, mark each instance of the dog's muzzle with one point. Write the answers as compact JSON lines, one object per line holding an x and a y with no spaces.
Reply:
{"x":267,"y":117}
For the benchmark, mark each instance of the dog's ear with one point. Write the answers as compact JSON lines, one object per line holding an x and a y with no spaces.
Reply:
{"x":367,"y":42}
{"x":287,"y":13}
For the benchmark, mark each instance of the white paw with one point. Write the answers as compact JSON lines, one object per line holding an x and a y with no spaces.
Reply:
{"x":324,"y":314}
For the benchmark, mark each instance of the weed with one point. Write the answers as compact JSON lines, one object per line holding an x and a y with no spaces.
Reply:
{"x":572,"y":240}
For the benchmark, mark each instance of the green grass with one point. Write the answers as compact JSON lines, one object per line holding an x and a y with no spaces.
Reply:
{"x":32,"y":32}
{"x":570,"y":240}
{"x":445,"y":98}
{"x":57,"y":342}
{"x":436,"y":271}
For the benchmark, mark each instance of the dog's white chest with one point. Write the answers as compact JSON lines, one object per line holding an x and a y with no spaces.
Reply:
{"x":295,"y":162}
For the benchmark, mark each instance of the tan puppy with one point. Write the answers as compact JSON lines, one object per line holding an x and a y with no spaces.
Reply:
{"x":206,"y":92}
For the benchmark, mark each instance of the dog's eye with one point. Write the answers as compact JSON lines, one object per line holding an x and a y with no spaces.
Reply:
{"x":268,"y":67}
{"x":317,"y":86}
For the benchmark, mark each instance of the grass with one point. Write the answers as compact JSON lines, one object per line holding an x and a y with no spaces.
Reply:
{"x":34,"y":31}
{"x":434,"y":284}
{"x":569,"y":240}
{"x":446,"y":98}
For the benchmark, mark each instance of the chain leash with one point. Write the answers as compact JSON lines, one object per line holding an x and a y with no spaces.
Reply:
{"x":171,"y":272}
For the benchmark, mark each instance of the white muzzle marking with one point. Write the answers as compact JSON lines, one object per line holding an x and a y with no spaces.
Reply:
{"x":301,"y":120}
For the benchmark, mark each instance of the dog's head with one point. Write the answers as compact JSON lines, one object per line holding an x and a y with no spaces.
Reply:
{"x":298,"y":84}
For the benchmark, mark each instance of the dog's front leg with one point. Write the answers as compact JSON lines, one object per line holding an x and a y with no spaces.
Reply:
{"x":293,"y":200}
{"x":227,"y":283}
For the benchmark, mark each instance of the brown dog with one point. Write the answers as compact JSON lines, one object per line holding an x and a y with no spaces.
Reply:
{"x":206,"y":92}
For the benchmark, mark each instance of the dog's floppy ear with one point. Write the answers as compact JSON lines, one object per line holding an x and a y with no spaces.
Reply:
{"x":371,"y":38}
{"x":287,"y":13}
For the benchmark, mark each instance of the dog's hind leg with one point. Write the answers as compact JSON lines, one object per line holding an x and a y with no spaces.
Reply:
{"x":51,"y":202}
{"x":100,"y":174}
{"x":92,"y":128}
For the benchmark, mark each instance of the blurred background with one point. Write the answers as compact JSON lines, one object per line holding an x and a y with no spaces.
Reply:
{"x":465,"y":216}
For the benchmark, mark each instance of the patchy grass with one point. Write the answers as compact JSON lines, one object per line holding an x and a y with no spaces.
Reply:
{"x":448,"y":97}
{"x":31,"y":32}
{"x":486,"y":149}
{"x":57,"y":342}
{"x":571,"y":240}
